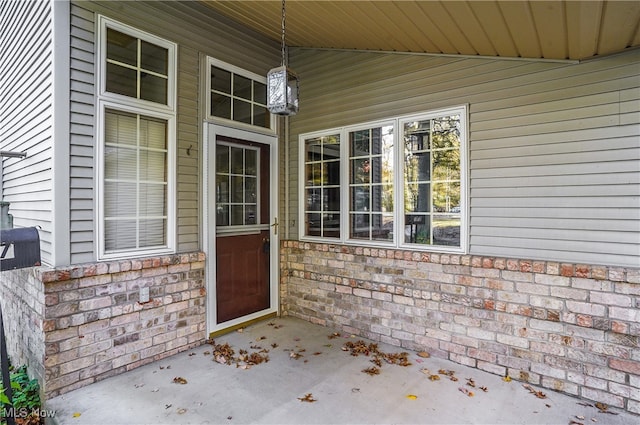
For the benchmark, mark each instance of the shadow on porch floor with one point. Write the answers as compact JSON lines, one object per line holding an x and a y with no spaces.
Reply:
{"x":309,"y":359}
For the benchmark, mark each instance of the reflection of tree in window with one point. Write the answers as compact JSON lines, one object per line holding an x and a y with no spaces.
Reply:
{"x":371,"y":180}
{"x":432,"y":181}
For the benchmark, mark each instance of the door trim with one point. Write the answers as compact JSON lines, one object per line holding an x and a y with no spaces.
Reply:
{"x":210,"y":133}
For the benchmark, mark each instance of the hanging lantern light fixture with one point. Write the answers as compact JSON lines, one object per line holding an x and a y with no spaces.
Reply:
{"x":282,"y":83}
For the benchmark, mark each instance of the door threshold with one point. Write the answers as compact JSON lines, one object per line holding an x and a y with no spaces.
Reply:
{"x":240,"y":325}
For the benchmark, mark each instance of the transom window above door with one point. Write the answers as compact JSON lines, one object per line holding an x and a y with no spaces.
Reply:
{"x":234,"y":94}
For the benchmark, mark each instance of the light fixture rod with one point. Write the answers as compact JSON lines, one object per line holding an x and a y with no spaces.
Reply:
{"x":283,"y":32}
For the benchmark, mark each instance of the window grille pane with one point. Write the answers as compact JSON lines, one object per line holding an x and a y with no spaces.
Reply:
{"x":220,"y":106}
{"x":120,"y":235}
{"x":220,"y":80}
{"x":153,"y":166}
{"x":154,"y":58}
{"x":241,"y":111}
{"x":121,"y":80}
{"x":261,"y":116}
{"x":153,"y":232}
{"x":122,"y":47}
{"x":153,"y":88}
{"x":120,"y":199}
{"x":241,"y":87}
{"x":259,"y":93}
{"x":120,"y":163}
{"x":153,"y":133}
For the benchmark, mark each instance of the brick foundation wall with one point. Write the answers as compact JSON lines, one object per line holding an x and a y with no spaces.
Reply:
{"x":94,"y":326}
{"x":573,"y":328}
{"x":22,"y":300}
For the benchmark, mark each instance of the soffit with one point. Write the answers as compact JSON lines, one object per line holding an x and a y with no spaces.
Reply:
{"x":553,"y":30}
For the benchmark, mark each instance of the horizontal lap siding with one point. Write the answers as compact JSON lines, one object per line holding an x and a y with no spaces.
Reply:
{"x":555,"y":170}
{"x":26,"y":115}
{"x":554,"y":148}
{"x":82,"y":148}
{"x":190,"y":25}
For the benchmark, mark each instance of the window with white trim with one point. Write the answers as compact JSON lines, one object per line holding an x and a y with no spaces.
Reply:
{"x":237,"y":95}
{"x":136,"y":152}
{"x":395,"y":183}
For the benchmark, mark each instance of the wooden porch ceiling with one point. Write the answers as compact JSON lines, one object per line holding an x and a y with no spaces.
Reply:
{"x":553,"y":29}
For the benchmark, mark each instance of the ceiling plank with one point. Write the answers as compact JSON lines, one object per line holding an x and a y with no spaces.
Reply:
{"x":619,"y":26}
{"x":550,"y":21}
{"x":583,"y":27}
{"x":472,"y":29}
{"x":492,"y":21}
{"x":517,"y":14}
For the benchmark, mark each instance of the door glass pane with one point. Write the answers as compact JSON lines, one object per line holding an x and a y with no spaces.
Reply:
{"x":237,"y":185}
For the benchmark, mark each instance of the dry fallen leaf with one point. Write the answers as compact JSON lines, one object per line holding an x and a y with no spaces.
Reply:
{"x":76,"y":414}
{"x":181,"y":410}
{"x":507,"y":378}
{"x":471,"y":382}
{"x":485,"y":389}
{"x":179,"y":380}
{"x":412,"y":397}
{"x":424,"y":354}
{"x":466,"y":391}
{"x":307,"y":398}
{"x":434,"y":377}
{"x":372,"y":371}
{"x":538,"y":394}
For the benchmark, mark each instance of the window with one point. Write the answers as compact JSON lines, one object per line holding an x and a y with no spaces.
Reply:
{"x":237,"y":95}
{"x":236,"y":185}
{"x":322,"y":186}
{"x":397,"y":183}
{"x":137,"y":137}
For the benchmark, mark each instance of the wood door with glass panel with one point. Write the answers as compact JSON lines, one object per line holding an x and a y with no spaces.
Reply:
{"x":242,"y":228}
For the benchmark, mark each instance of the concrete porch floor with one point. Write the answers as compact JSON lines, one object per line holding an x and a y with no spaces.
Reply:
{"x":270,"y":392}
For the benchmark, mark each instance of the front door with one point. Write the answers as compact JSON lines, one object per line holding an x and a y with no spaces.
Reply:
{"x":240,"y":233}
{"x":242,"y":228}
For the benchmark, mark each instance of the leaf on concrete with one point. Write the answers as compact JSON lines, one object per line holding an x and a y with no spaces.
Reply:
{"x":424,"y":354}
{"x":372,"y":371}
{"x":466,"y":391}
{"x":412,"y":396}
{"x":308,"y":398}
{"x":179,"y":380}
{"x":507,"y":378}
{"x":181,"y":410}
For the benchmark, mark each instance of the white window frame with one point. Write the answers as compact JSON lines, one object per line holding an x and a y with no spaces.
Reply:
{"x":117,"y":102}
{"x":398,"y":181}
{"x":229,"y":122}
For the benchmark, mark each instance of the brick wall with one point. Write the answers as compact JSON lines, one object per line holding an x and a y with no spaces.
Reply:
{"x":22,"y":300}
{"x":94,"y":326}
{"x":569,"y":327}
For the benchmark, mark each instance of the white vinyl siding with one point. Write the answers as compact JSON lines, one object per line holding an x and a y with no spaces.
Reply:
{"x":554,"y":158}
{"x":187,"y":24}
{"x":26,"y":115}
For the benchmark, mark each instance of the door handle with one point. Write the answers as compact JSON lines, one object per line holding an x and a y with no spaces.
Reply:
{"x":275,"y":225}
